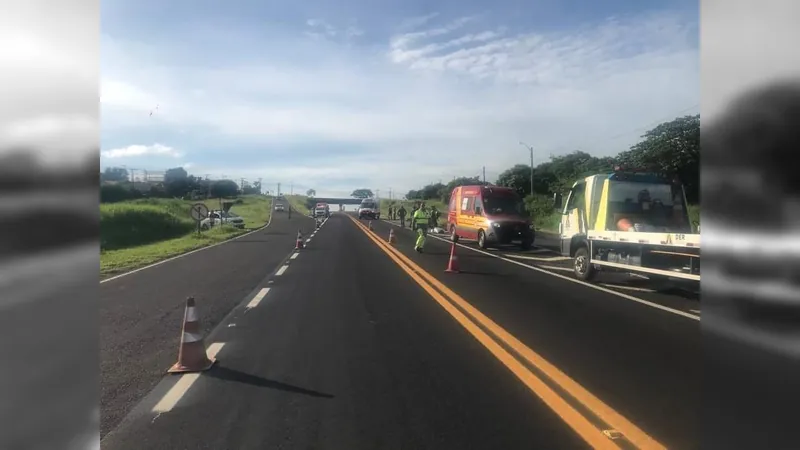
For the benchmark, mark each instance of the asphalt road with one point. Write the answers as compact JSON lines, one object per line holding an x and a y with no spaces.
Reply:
{"x":351,"y":345}
{"x":141,"y":314}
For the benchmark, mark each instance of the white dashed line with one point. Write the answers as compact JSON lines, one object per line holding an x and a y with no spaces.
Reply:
{"x":257,"y":299}
{"x":281,"y":271}
{"x":294,"y":255}
{"x":173,"y":396}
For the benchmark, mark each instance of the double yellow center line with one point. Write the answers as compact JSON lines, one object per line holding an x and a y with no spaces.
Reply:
{"x":594,"y":421}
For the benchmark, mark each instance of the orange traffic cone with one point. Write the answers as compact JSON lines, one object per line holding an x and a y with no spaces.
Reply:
{"x":391,"y":236}
{"x":452,"y":265}
{"x":192,"y":353}
{"x":299,"y":244}
{"x":370,"y":225}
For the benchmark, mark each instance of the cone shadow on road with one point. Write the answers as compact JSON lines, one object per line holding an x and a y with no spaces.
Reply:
{"x":228,"y":374}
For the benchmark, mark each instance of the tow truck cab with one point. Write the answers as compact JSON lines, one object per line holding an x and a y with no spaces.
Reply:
{"x":632,"y":219}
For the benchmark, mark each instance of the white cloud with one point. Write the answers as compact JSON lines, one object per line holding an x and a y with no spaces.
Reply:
{"x":142,"y":150}
{"x":452,"y":98}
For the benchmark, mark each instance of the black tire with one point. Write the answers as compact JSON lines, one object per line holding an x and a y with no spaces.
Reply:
{"x":482,"y":240}
{"x":584,"y":271}
{"x":452,"y":232}
{"x":526,"y":245}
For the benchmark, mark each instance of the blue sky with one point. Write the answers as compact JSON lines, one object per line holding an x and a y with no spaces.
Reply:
{"x":340,"y":95}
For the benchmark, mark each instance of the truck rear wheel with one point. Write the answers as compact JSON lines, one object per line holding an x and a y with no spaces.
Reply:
{"x":583,"y":269}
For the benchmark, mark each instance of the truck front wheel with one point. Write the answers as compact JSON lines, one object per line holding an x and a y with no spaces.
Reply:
{"x":583,"y":269}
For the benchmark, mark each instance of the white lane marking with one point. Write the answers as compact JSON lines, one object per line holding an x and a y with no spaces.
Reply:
{"x":281,"y":270}
{"x":294,"y":255}
{"x":565,"y":269}
{"x":308,"y":240}
{"x":538,"y":258}
{"x":176,"y":392}
{"x":630,"y":288}
{"x":188,"y":253}
{"x":696,"y":311}
{"x":257,"y":299}
{"x":589,"y":285}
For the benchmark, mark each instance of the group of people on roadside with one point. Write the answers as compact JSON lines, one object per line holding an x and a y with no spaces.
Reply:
{"x":422,"y":218}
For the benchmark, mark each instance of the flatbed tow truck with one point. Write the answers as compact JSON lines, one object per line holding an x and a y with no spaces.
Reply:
{"x":629,"y":221}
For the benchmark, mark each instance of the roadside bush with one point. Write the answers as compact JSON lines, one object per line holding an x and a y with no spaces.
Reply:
{"x":128,"y":225}
{"x":115,"y":193}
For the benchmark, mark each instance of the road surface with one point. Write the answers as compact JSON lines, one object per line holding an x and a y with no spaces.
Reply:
{"x":350,"y":344}
{"x":141,"y":313}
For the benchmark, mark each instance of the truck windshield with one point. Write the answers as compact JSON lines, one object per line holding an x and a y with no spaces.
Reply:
{"x":502,"y":204}
{"x":654,"y":207}
{"x":368,"y":205}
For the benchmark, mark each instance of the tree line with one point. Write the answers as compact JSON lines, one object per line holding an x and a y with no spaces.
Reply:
{"x":671,"y":148}
{"x":116,"y":185}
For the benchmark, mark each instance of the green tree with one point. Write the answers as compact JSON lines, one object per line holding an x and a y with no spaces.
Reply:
{"x":177,"y":182}
{"x":362,"y":193}
{"x":117,"y":174}
{"x":224,"y":188}
{"x":672,"y":148}
{"x":311,"y":193}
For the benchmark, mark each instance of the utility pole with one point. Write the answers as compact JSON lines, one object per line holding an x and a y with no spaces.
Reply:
{"x":279,"y":190}
{"x":241,"y":185}
{"x":390,"y":194}
{"x":259,"y":185}
{"x":531,"y":150}
{"x":291,"y":189}
{"x":484,"y":174}
{"x":208,"y":187}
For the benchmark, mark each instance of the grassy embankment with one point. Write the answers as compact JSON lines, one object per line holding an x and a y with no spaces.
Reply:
{"x":298,"y":202}
{"x":140,"y":232}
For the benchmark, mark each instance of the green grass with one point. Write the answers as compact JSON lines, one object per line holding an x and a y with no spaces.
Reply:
{"x":298,"y":202}
{"x":140,"y":232}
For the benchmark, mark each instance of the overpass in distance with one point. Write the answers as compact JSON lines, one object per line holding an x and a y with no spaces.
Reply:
{"x":335,"y":201}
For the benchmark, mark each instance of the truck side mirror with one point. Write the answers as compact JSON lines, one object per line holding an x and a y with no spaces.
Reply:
{"x":557,"y":201}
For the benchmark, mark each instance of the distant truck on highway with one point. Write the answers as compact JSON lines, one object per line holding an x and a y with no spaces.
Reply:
{"x":492,"y":215}
{"x":322,"y":210}
{"x":629,"y":221}
{"x":369,"y":209}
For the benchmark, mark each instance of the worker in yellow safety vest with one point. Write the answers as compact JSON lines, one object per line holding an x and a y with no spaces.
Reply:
{"x":420,"y":221}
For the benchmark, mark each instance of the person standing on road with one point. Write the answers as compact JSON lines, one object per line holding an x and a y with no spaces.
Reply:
{"x":434,"y":220}
{"x":401,"y":213}
{"x":290,"y":213}
{"x":420,"y":221}
{"x":390,"y":212}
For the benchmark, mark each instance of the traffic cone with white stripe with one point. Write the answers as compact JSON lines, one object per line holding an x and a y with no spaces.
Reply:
{"x":299,"y":244}
{"x":370,"y":225}
{"x":452,"y":265}
{"x":192,"y":355}
{"x":392,"y":238}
